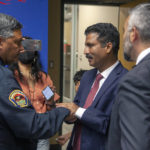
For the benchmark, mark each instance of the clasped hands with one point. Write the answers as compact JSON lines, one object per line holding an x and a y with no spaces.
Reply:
{"x":72,"y":107}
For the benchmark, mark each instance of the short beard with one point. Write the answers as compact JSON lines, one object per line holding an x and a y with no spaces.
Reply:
{"x":126,"y":57}
{"x":127,"y":48}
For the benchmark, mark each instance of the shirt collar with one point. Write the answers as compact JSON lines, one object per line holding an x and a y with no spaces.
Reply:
{"x":142,"y":55}
{"x":106,"y":72}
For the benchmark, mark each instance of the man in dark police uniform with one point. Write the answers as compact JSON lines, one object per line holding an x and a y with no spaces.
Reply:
{"x":20,"y":125}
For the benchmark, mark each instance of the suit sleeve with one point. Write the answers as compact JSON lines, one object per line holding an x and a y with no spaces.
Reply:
{"x":24,"y":121}
{"x":134,"y":113}
{"x":96,"y":120}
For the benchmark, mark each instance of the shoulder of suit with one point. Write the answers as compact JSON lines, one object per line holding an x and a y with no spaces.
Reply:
{"x":131,"y":75}
{"x":91,"y":71}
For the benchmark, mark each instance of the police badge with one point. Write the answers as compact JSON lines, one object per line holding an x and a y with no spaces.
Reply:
{"x":18,"y":98}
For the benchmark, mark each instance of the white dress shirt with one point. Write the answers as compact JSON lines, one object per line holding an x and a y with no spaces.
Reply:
{"x":80,"y":111}
{"x":142,"y":55}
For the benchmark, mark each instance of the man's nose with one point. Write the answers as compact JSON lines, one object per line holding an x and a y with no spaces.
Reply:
{"x":86,"y":50}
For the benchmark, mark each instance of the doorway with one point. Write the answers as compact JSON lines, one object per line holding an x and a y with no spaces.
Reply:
{"x":76,"y":19}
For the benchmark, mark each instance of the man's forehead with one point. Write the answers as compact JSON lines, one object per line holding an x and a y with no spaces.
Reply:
{"x":92,"y":36}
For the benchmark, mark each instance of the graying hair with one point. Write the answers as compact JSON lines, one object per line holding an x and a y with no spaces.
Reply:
{"x":140,"y":18}
{"x":7,"y":25}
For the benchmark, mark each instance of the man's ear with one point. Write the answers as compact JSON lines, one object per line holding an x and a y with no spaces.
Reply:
{"x":134,"y":35}
{"x":108,"y":47}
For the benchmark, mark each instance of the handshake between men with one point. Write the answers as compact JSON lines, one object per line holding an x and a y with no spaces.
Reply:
{"x":72,"y":107}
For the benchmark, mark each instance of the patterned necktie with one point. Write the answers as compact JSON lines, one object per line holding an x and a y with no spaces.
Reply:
{"x":88,"y":102}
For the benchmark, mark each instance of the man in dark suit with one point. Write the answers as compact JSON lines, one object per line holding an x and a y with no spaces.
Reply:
{"x":94,"y":99}
{"x":130,"y":120}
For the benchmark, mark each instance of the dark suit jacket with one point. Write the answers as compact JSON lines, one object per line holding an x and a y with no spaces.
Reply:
{"x":130,"y":120}
{"x":95,"y":119}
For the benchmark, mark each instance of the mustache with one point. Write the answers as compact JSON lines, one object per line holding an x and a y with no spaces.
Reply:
{"x":88,"y":56}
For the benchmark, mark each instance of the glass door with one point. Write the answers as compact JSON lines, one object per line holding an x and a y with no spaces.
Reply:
{"x":70,"y":51}
{"x":76,"y":19}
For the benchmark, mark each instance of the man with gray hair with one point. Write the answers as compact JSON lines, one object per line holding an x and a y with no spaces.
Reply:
{"x":20,"y":125}
{"x":130,"y":119}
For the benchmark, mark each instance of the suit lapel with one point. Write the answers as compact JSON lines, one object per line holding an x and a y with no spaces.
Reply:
{"x":88,"y":85}
{"x":108,"y":82}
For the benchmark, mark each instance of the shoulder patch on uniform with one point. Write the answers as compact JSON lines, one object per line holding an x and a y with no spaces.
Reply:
{"x":18,"y":98}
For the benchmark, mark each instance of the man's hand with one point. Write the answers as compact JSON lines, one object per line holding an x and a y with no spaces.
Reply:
{"x":71,"y":106}
{"x":53,"y":88}
{"x":63,"y":139}
{"x":50,"y":104}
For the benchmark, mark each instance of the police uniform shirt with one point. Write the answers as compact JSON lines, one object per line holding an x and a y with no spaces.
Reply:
{"x":20,"y":125}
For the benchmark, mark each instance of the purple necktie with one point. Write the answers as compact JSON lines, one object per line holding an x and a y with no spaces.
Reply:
{"x":88,"y":102}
